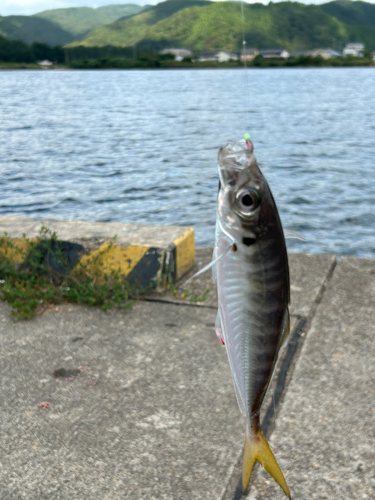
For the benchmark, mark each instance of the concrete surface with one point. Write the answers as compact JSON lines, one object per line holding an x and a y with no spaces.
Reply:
{"x":325,"y":434}
{"x":144,"y":419}
{"x":96,"y":233}
{"x":147,"y":411}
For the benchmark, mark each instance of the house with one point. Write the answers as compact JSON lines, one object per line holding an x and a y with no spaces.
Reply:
{"x":207,"y":56}
{"x":324,"y":53}
{"x":354,"y":49}
{"x":276,"y":53}
{"x":224,"y":56}
{"x":178,"y":54}
{"x":249,"y":54}
{"x":45,"y":64}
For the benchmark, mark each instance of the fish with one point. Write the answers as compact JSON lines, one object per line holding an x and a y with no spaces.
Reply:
{"x":250,"y":267}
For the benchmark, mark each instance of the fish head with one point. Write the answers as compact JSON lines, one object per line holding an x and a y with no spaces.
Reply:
{"x":246,"y":207}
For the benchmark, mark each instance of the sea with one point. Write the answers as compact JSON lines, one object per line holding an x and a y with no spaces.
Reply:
{"x":141,"y":146}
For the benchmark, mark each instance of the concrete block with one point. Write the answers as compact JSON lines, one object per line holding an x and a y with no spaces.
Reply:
{"x":147,"y":256}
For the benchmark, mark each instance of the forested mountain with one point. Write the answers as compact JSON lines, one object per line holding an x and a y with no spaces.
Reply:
{"x":130,"y":31}
{"x":79,"y":21}
{"x":30,"y":29}
{"x":61,"y":26}
{"x":353,"y":13}
{"x":200,"y":25}
{"x":203,"y":25}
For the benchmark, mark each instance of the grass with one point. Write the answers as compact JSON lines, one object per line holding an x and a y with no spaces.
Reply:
{"x":187,"y":294}
{"x":30,"y":285}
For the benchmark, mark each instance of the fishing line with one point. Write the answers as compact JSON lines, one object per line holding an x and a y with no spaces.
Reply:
{"x":244,"y":43}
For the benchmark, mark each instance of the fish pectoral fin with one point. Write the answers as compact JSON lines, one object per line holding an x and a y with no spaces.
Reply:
{"x":293,"y":235}
{"x":211,"y":264}
{"x":219,"y":328}
{"x":257,"y":448}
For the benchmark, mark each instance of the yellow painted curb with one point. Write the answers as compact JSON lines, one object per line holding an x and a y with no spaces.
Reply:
{"x":142,"y":266}
{"x":185,"y":253}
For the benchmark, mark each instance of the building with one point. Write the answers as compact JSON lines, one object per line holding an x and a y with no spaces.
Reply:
{"x":276,"y":53}
{"x":249,"y":54}
{"x":354,"y":49}
{"x":324,"y":53}
{"x":221,"y":56}
{"x":45,"y":64}
{"x":224,"y":56}
{"x":178,"y":54}
{"x":207,"y":56}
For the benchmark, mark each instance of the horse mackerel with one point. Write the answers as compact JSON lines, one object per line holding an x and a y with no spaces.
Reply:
{"x":250,"y":265}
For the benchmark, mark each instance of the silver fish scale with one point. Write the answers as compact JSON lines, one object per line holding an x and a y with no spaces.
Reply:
{"x":251,"y":282}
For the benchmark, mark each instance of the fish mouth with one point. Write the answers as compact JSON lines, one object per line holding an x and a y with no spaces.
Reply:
{"x":233,"y":159}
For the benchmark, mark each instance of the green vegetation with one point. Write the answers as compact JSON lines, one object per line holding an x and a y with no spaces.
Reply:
{"x":310,"y":62}
{"x":12,"y":51}
{"x":61,"y":26}
{"x":30,"y":29}
{"x":200,"y":25}
{"x":163,"y":62}
{"x":129,"y":31}
{"x":218,"y":26}
{"x":106,"y":52}
{"x":144,"y":61}
{"x":350,"y":12}
{"x":33,"y":284}
{"x":78,"y":21}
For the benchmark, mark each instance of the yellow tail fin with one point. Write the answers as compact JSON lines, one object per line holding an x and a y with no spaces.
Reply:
{"x":257,"y":448}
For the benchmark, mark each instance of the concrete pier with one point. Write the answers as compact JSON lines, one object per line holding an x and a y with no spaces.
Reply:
{"x":140,"y":405}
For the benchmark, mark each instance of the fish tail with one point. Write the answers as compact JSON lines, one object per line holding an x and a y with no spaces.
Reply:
{"x":257,"y":448}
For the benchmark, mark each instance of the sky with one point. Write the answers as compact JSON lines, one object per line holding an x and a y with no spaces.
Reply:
{"x":28,"y":7}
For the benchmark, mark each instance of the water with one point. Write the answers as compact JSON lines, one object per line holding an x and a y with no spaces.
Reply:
{"x":141,"y":146}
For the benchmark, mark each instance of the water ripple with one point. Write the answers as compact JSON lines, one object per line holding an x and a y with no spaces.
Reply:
{"x":141,"y":146}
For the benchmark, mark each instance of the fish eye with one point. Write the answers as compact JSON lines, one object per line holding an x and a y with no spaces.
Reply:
{"x":247,"y":200}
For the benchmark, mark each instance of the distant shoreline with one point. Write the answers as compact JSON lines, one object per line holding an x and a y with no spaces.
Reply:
{"x":66,"y":68}
{"x":157,"y":62}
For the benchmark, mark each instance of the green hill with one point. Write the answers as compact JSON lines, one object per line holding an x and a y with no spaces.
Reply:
{"x":203,"y":25}
{"x":33,"y":29}
{"x":126,"y":32}
{"x":359,"y":18}
{"x":199,"y":25}
{"x":78,"y":21}
{"x":352,"y":13}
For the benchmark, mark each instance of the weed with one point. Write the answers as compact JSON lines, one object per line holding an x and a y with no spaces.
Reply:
{"x":36,"y":273}
{"x":194,"y":297}
{"x":198,"y":298}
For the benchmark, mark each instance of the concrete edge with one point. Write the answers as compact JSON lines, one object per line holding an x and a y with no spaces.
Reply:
{"x":143,"y":265}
